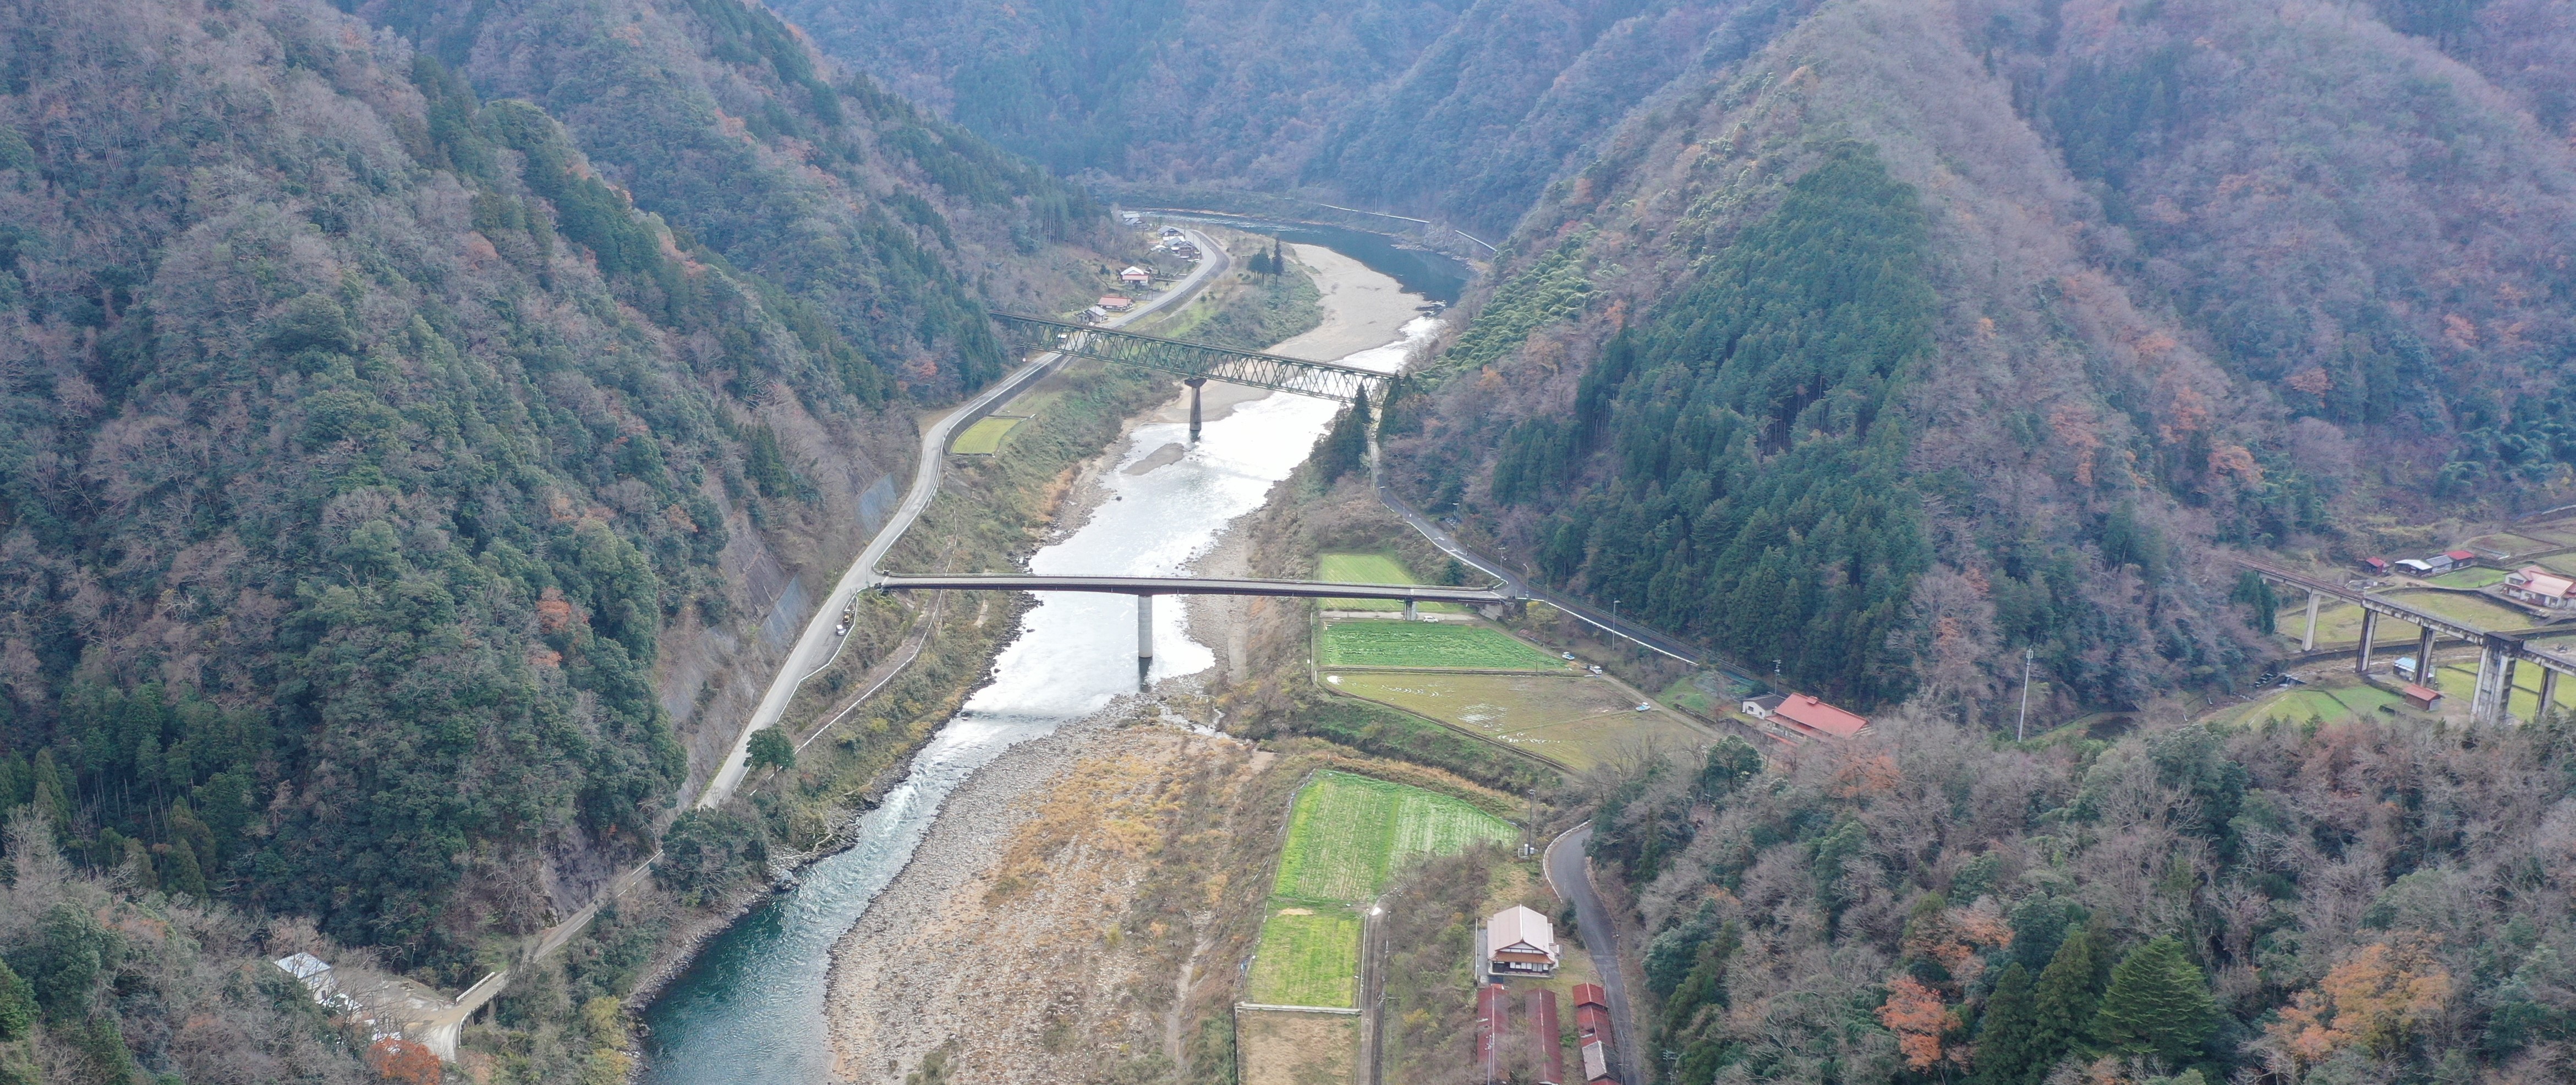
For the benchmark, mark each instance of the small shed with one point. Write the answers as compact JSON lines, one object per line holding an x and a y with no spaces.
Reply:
{"x":2375,"y":566}
{"x":2415,"y":567}
{"x":2420,"y":697}
{"x":1760,"y":708}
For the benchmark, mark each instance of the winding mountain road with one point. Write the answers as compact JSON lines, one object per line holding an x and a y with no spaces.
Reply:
{"x":1569,"y":872}
{"x":819,"y":646}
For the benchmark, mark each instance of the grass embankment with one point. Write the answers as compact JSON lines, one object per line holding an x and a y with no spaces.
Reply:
{"x":1575,"y":722}
{"x":1379,"y":643}
{"x":984,"y":438}
{"x":1372,"y":569}
{"x":1347,"y":836}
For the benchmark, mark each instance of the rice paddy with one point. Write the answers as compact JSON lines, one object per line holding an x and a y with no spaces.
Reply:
{"x":1380,"y":643}
{"x":1576,"y":722}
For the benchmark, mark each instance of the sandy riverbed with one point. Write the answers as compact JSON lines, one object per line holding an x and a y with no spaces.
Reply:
{"x":1000,"y":942}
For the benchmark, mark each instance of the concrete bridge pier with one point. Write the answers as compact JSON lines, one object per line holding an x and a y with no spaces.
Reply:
{"x":2504,"y":691}
{"x":2424,"y":675}
{"x":1412,"y":611}
{"x":2369,"y":633}
{"x":2308,"y":640}
{"x":1195,"y":383}
{"x":1144,"y":630}
{"x":2548,"y":694}
{"x":2482,"y":699}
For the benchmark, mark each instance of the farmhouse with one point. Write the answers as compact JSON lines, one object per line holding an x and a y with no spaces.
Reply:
{"x":1115,"y":304}
{"x":1135,"y":276}
{"x":1520,"y":942}
{"x":1804,"y":712}
{"x":2541,"y":588}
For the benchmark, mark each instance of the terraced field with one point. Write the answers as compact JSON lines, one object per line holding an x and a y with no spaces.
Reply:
{"x":2315,"y":702}
{"x":1349,"y":833}
{"x":1309,"y":955}
{"x":1369,"y":642}
{"x":1371,"y":569}
{"x":2469,"y":578}
{"x":1575,"y":721}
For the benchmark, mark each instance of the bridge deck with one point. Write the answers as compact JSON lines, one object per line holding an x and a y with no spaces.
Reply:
{"x":1166,"y":585}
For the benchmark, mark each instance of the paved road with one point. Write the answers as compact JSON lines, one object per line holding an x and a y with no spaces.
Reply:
{"x":1519,"y":586}
{"x":817,"y":648}
{"x":1569,"y":872}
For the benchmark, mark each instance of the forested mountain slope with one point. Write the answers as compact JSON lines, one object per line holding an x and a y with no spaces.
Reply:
{"x":367,"y":436}
{"x":2200,"y":274}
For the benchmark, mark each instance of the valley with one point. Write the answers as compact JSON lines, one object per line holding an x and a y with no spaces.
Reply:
{"x":1193,"y":542}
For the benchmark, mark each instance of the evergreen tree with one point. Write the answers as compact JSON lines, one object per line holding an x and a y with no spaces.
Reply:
{"x":1345,"y":449}
{"x":769,"y":746}
{"x":17,"y":1004}
{"x":2007,"y":1051}
{"x":2158,"y":1004}
{"x":2069,"y":990}
{"x":180,"y":871}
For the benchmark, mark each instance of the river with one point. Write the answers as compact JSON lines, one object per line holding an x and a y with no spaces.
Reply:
{"x":750,"y":1007}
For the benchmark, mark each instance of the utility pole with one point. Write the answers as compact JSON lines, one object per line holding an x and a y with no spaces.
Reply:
{"x":2021,"y":729}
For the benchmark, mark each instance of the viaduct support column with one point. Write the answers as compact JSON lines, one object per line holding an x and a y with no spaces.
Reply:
{"x":2424,"y":673}
{"x":1144,"y":635}
{"x":2548,"y":695}
{"x":1412,"y":611}
{"x":2481,"y":703}
{"x":2308,"y":640}
{"x":2504,"y":690}
{"x":1194,"y":383}
{"x":2369,"y":633}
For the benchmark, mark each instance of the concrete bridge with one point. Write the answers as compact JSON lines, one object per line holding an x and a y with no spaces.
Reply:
{"x":1195,"y":363}
{"x":2498,"y":653}
{"x":1145,"y":588}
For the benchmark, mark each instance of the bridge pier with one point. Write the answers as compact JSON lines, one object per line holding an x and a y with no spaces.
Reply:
{"x":2369,"y":634}
{"x":1412,"y":611}
{"x":2482,"y":700}
{"x":2424,"y":660}
{"x":2548,"y":694}
{"x":2308,"y":640}
{"x":2504,"y":694}
{"x":1194,"y":383}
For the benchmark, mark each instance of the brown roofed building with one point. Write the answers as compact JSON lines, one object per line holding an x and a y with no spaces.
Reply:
{"x":1547,"y":1050}
{"x":1805,"y":712}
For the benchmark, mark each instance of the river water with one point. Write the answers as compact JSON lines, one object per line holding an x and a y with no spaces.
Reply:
{"x":750,"y":1008}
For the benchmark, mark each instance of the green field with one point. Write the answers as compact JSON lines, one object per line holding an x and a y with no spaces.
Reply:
{"x":2467,"y":609}
{"x":1380,"y":643}
{"x":2468,"y":578}
{"x":2563,"y":564}
{"x":2300,"y":704}
{"x":2511,"y":543}
{"x":1371,"y":569}
{"x":984,"y":438}
{"x":2460,"y":678}
{"x":1349,"y":833}
{"x":1309,"y":955}
{"x":1575,"y":721}
{"x":2340,"y":623}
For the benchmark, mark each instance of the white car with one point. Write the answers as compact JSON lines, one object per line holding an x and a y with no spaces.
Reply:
{"x":1645,"y":706}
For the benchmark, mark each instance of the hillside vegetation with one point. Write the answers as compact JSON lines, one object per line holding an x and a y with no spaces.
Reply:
{"x":368,"y":434}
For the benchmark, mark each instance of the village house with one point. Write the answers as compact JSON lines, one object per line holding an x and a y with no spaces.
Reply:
{"x":1760,"y":708}
{"x":1116,"y":304}
{"x":1135,"y":276}
{"x":2534,"y":586}
{"x":1805,"y":713}
{"x":1520,"y":942}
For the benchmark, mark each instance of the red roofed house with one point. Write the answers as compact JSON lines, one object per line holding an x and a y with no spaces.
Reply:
{"x":2540,"y":588}
{"x":1806,"y":713}
{"x":1547,"y":1055}
{"x":2460,"y":559}
{"x":2375,"y":566}
{"x":1520,"y":942}
{"x":1493,"y":1020}
{"x":1115,"y":304}
{"x":1592,"y":1031}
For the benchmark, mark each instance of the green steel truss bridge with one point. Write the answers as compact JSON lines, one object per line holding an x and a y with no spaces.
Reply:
{"x":1196,"y":363}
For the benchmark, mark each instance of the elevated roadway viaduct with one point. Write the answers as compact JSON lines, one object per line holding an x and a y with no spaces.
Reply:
{"x":2498,"y":653}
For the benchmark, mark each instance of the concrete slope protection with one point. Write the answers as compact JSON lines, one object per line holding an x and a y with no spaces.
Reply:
{"x":818,"y":647}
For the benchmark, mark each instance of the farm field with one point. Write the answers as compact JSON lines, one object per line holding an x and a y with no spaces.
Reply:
{"x":2564,"y":564}
{"x":2459,"y":678}
{"x":1284,"y":1047}
{"x":984,"y":438}
{"x":2480,"y":613}
{"x":1578,"y":722}
{"x":1379,"y":643}
{"x":2468,"y":578}
{"x":1349,"y":833}
{"x":1351,"y":568}
{"x":2513,"y":543}
{"x":2328,"y":703}
{"x":1309,"y":955}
